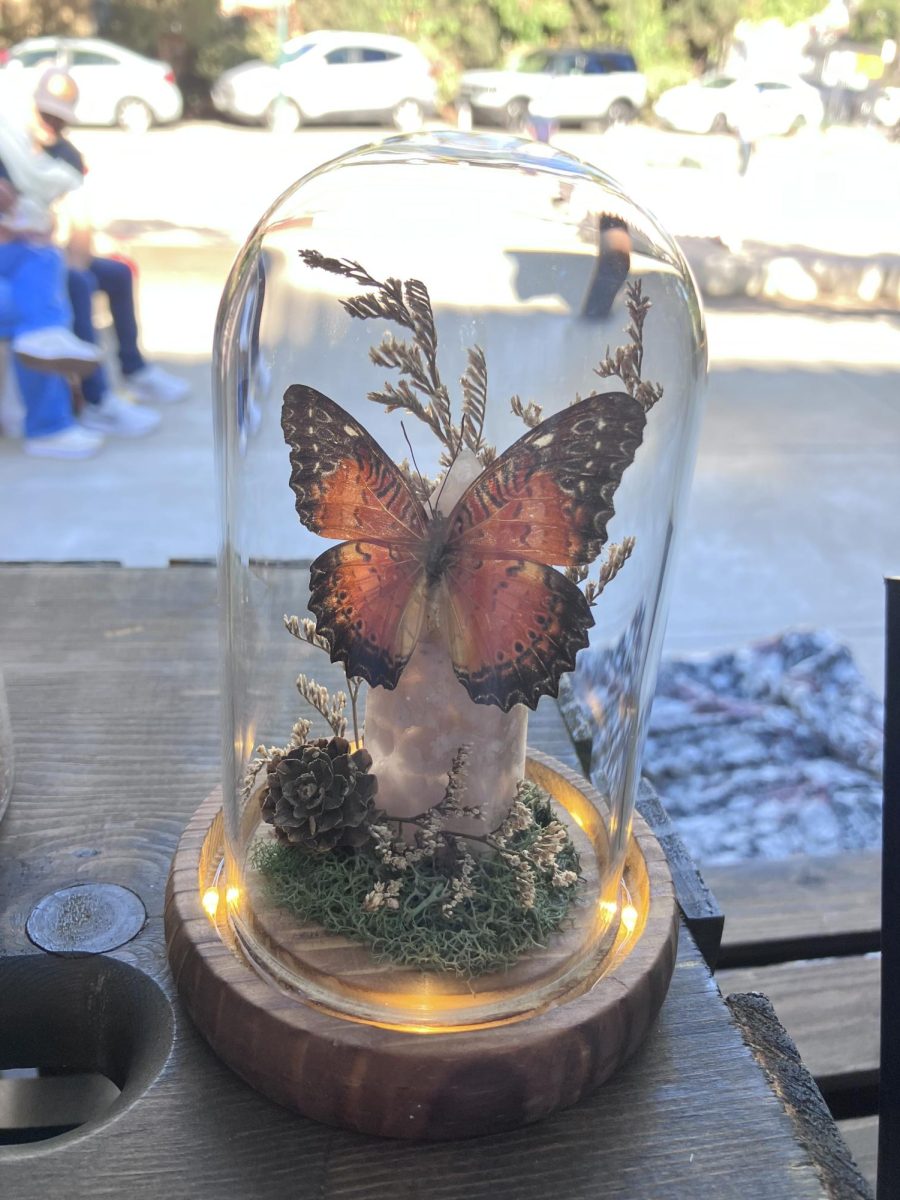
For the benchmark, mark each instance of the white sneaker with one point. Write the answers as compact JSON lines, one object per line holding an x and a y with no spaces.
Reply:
{"x":72,"y":443}
{"x":153,"y":385}
{"x":118,"y":417}
{"x":58,"y":350}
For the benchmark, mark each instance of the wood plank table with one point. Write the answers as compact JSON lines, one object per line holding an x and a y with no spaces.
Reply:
{"x":806,"y":931}
{"x":112,"y":683}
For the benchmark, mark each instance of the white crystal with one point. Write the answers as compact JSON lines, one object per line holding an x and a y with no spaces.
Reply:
{"x":414,"y":731}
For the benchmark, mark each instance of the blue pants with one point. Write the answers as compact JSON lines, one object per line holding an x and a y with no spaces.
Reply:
{"x":36,"y":296}
{"x":114,"y":278}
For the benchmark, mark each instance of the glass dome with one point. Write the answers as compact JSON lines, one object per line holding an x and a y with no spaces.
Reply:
{"x":441,"y":297}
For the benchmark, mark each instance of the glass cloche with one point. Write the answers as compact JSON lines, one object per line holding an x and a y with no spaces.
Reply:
{"x":459,"y":376}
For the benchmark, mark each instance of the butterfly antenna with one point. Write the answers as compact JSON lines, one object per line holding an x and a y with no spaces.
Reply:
{"x":456,"y":452}
{"x":412,"y":455}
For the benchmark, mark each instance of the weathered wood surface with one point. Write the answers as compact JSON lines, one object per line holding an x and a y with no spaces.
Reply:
{"x":861,"y":1136}
{"x":777,"y":1055}
{"x":112,"y":683}
{"x":798,"y":907}
{"x":830,"y":1007}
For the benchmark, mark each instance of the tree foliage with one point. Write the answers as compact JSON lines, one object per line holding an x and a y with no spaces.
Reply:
{"x":875,"y":21}
{"x":666,"y":36}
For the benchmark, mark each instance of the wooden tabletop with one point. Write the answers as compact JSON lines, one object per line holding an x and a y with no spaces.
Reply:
{"x":112,"y":682}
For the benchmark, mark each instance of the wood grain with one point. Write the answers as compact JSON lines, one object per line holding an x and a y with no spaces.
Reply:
{"x":798,"y":907}
{"x":395,"y":1082}
{"x":830,"y":1008}
{"x":777,"y":1055}
{"x":112,"y":683}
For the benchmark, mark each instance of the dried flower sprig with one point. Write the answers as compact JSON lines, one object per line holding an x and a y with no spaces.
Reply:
{"x":617,"y":554}
{"x":627,"y":362}
{"x":530,"y":413}
{"x":407,"y":304}
{"x":331,"y":707}
{"x":304,"y":630}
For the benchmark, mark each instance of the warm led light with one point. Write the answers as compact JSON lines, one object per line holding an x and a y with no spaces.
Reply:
{"x":211,"y":902}
{"x":232,"y":895}
{"x":608,"y":908}
{"x":576,"y":818}
{"x":629,"y":917}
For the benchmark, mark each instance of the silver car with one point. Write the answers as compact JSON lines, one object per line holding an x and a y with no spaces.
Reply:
{"x":115,"y":85}
{"x":328,"y":75}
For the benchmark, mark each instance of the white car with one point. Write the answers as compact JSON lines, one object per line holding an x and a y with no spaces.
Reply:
{"x":115,"y":85}
{"x":716,"y":103}
{"x":566,"y":85}
{"x":332,"y":74}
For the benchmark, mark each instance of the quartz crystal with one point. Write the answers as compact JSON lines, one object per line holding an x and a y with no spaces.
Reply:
{"x":414,"y":731}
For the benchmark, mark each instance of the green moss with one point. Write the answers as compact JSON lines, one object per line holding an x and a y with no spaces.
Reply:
{"x":487,"y":931}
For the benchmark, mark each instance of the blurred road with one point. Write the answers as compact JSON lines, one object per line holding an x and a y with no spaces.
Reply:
{"x":834,"y":190}
{"x":795,"y":512}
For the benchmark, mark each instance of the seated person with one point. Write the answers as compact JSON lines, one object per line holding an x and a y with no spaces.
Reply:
{"x":54,"y":101}
{"x":37,"y":313}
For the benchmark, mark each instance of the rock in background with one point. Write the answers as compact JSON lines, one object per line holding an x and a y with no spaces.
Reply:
{"x":768,"y":751}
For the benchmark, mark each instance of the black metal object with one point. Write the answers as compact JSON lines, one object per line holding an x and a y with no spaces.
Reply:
{"x":889,"y":1092}
{"x":88,"y":918}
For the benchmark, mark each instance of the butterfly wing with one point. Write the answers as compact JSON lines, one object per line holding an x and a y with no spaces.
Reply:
{"x":369,"y":603}
{"x":515,"y":624}
{"x":513,"y":627}
{"x":549,"y":497}
{"x":368,"y":593}
{"x":344,"y":484}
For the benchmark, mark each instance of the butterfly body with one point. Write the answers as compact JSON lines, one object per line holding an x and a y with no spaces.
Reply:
{"x":483,"y":574}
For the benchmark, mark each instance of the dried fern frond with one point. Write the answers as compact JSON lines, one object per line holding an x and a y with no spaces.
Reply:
{"x":407,"y":304}
{"x":338,"y":266}
{"x":474,"y":390}
{"x":626,"y":363}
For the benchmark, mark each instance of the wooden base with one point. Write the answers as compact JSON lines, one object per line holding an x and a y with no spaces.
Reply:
{"x":419,"y":1082}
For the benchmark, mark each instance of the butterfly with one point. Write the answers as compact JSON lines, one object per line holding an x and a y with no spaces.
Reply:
{"x":485,"y":572}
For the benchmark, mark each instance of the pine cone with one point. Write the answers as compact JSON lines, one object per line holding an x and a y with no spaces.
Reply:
{"x":319,"y":795}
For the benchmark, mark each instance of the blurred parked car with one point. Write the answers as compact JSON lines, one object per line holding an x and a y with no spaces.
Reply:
{"x":115,"y":85}
{"x":717,"y":103}
{"x":569,"y":85}
{"x":332,"y":74}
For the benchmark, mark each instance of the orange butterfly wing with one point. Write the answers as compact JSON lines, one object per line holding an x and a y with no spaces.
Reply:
{"x":368,"y":593}
{"x":514,"y":624}
{"x":513,"y":628}
{"x":344,"y":484}
{"x":549,"y":497}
